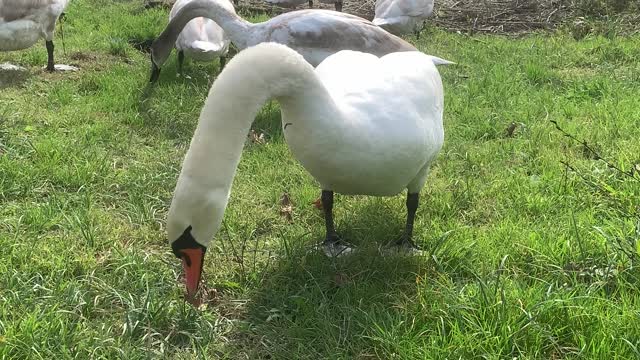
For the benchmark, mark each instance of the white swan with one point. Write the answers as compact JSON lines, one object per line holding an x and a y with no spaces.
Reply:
{"x":24,"y":22}
{"x":402,"y":16}
{"x":294,"y":3}
{"x":315,"y":34}
{"x":201,"y":39}
{"x":358,"y":123}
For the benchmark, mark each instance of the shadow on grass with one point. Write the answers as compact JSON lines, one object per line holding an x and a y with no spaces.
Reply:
{"x":305,"y":305}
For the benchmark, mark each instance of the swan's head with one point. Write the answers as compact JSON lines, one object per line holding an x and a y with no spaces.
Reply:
{"x":160,"y":50}
{"x":191,"y":252}
{"x":194,"y":217}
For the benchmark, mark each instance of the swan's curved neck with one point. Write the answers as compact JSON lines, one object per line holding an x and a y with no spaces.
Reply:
{"x":234,"y":26}
{"x":234,"y":100}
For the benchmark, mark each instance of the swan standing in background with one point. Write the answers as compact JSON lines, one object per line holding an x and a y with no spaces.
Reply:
{"x":315,"y":34}
{"x":402,"y":16}
{"x":358,"y":124}
{"x":24,"y":22}
{"x":201,"y":39}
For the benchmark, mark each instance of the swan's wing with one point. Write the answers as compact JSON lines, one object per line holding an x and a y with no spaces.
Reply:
{"x":407,"y":80}
{"x":11,"y":10}
{"x":331,"y":31}
{"x":392,"y":110}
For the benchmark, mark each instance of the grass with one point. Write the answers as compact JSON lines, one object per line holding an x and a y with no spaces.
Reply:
{"x":533,"y":241}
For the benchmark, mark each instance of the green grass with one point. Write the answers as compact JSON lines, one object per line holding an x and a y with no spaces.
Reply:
{"x":528,"y":258}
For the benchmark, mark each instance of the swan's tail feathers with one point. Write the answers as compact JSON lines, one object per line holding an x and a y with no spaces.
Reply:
{"x":439,"y":61}
{"x":206,"y":46}
{"x":379,"y":21}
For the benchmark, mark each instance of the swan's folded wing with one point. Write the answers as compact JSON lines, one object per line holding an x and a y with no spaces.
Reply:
{"x":335,"y":31}
{"x":11,"y":10}
{"x":404,"y":80}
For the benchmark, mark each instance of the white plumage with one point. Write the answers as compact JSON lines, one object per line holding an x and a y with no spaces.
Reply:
{"x":358,"y":124}
{"x":402,"y":16}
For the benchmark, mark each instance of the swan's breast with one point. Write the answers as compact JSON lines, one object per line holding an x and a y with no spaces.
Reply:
{"x":368,"y":155}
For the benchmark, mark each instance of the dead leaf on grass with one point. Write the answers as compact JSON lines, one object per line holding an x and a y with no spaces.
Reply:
{"x":286,"y":207}
{"x":256,"y":138}
{"x":511,"y":129}
{"x":317,"y":203}
{"x":341,"y":279}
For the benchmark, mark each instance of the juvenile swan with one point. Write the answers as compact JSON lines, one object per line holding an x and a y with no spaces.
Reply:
{"x":358,"y":124}
{"x":24,"y":22}
{"x":315,"y":34}
{"x":201,"y":39}
{"x":402,"y":16}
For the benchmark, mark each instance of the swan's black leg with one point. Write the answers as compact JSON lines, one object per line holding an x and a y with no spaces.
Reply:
{"x":333,"y":245}
{"x":310,"y":4}
{"x":180,"y":61}
{"x":412,"y":206}
{"x":327,"y":206}
{"x":50,"y":65}
{"x":338,"y":6}
{"x":418,"y":30}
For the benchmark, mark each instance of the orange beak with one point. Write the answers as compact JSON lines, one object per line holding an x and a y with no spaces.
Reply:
{"x":192,"y":261}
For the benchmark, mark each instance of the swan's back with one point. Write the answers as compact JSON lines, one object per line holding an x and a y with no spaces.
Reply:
{"x":317,"y":34}
{"x":12,"y":10}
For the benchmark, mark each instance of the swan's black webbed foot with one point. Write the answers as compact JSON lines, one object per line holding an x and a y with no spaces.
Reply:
{"x":402,"y":246}
{"x":333,"y":245}
{"x":406,"y":245}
